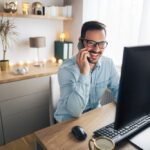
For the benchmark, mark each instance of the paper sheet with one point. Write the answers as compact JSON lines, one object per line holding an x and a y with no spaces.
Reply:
{"x":142,"y":139}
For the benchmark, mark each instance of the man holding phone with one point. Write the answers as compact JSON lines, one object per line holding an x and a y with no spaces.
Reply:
{"x":84,"y":78}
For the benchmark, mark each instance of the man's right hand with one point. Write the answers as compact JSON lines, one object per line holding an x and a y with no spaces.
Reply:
{"x":82,"y":61}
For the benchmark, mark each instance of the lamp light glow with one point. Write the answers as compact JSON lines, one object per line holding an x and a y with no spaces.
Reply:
{"x":21,"y":63}
{"x":25,"y":8}
{"x":60,"y":61}
{"x":44,"y":61}
{"x":62,"y":36}
{"x":11,"y":65}
{"x":53,"y":59}
{"x":28,"y":62}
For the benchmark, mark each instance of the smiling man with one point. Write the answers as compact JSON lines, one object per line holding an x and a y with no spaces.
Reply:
{"x":84,"y":78}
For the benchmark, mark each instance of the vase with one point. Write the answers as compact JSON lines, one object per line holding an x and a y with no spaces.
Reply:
{"x":4,"y":65}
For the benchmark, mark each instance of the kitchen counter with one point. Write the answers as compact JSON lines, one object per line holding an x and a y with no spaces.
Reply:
{"x":47,"y":69}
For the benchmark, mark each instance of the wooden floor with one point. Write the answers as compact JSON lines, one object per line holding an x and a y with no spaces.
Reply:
{"x":24,"y":143}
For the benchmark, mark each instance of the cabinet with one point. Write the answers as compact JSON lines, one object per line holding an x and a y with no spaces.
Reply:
{"x":24,"y":107}
{"x":24,"y":104}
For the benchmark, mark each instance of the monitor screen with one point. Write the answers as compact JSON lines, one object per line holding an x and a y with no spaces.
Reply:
{"x":134,"y":89}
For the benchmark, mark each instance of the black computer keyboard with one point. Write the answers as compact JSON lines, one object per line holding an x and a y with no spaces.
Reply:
{"x":119,"y":135}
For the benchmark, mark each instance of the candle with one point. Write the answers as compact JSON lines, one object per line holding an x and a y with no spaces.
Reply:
{"x":35,"y":61}
{"x":25,"y":8}
{"x":62,"y":37}
{"x":27,"y":63}
{"x":53,"y":60}
{"x":44,"y":61}
{"x":11,"y":65}
{"x":60,"y":61}
{"x":21,"y":63}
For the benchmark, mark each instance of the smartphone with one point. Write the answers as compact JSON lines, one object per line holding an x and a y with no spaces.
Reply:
{"x":80,"y":46}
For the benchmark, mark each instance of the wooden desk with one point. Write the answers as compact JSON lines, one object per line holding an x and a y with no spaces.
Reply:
{"x":59,"y":137}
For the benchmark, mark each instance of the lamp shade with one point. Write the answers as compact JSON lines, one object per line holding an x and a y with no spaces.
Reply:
{"x":37,"y":42}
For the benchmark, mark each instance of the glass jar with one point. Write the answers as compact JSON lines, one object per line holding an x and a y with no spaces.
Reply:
{"x":10,"y":6}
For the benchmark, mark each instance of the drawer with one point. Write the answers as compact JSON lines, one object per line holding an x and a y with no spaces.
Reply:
{"x":18,"y":105}
{"x":25,"y":123}
{"x":23,"y":87}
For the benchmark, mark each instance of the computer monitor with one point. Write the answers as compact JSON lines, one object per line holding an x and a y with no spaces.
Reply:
{"x":134,"y":89}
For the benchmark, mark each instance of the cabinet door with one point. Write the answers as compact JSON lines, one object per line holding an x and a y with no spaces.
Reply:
{"x":24,"y":107}
{"x":1,"y":133}
{"x":24,"y":115}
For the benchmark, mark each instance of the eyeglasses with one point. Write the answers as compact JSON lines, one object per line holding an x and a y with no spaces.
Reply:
{"x":92,"y":44}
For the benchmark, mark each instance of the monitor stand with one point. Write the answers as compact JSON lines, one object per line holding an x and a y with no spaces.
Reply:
{"x":142,"y":139}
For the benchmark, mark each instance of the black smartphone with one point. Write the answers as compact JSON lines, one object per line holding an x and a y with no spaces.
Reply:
{"x":80,"y":46}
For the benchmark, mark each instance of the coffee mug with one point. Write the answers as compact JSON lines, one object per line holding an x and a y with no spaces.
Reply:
{"x":102,"y":143}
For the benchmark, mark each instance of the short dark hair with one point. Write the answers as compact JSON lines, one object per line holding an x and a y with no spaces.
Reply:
{"x":92,"y":25}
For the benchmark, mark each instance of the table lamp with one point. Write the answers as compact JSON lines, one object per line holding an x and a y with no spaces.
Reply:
{"x":37,"y":42}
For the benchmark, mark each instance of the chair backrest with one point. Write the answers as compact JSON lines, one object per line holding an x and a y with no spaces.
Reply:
{"x":107,"y":97}
{"x":53,"y":96}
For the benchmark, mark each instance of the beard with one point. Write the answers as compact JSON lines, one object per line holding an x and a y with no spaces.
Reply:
{"x":92,"y":51}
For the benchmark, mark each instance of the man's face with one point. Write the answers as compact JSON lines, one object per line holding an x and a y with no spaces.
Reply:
{"x":96,"y":51}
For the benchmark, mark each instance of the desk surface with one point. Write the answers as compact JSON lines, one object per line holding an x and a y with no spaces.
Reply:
{"x":59,"y":137}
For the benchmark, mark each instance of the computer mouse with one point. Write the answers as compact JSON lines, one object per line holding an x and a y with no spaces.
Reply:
{"x":79,"y":133}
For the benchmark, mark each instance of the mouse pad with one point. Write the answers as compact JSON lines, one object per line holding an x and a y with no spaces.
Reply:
{"x":142,"y":139}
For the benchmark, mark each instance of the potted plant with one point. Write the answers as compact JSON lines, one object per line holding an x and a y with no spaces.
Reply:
{"x":7,"y":34}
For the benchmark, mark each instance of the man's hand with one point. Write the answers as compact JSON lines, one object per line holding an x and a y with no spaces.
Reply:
{"x":82,"y":61}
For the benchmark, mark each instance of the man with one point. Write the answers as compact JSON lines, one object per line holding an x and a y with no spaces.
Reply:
{"x":84,"y":78}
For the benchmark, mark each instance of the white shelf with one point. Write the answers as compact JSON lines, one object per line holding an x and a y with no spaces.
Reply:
{"x":3,"y":14}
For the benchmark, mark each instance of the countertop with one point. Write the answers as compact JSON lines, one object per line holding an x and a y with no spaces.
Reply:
{"x":47,"y":69}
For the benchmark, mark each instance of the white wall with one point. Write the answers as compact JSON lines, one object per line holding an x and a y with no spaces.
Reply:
{"x":73,"y":28}
{"x":144,"y":35}
{"x":27,"y":27}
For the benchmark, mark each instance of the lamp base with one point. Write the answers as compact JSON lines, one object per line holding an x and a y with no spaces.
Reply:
{"x":38,"y":65}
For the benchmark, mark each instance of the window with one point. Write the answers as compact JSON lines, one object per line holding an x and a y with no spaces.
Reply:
{"x":123,"y":23}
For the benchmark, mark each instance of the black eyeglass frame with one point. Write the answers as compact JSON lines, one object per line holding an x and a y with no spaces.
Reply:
{"x":96,"y":43}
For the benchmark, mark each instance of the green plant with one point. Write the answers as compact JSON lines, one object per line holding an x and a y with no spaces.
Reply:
{"x":7,"y":34}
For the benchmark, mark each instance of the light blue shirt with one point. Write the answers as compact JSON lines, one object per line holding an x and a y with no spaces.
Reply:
{"x":80,"y":93}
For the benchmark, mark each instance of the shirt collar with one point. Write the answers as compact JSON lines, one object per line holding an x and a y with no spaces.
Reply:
{"x":99,"y":63}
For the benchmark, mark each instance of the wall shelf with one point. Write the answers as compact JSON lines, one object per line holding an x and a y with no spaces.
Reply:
{"x":15,"y":15}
